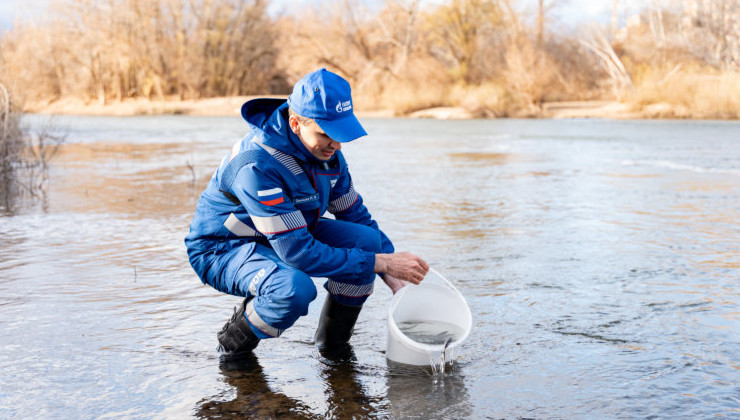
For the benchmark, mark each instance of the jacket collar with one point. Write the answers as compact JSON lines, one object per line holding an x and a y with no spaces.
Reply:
{"x":270,"y":117}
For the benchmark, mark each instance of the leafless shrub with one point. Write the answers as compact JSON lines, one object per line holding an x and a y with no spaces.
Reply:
{"x":24,"y":157}
{"x":39,"y":150}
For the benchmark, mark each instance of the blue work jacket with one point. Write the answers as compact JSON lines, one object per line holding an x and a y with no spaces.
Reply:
{"x":270,"y":189}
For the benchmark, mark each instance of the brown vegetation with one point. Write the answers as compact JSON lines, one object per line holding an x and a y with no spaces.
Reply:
{"x":110,"y":51}
{"x":11,"y":144}
{"x":24,"y":157}
{"x":484,"y":56}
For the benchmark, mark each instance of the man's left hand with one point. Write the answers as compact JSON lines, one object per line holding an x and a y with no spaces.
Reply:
{"x":394,"y":283}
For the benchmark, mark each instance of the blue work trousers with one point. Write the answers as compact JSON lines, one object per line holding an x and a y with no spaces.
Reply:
{"x":281,"y":293}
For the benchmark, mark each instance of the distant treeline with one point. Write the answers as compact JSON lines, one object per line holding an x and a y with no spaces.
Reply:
{"x":490,"y":56}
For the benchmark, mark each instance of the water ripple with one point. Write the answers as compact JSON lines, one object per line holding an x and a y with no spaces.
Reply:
{"x":599,"y":264}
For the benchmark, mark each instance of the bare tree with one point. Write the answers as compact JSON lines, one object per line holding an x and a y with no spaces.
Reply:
{"x":459,"y":30}
{"x":596,"y":41}
{"x":373,"y":49}
{"x":434,"y":53}
{"x":114,"y":49}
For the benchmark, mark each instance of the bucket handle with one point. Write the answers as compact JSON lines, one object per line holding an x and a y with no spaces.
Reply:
{"x":447,"y":283}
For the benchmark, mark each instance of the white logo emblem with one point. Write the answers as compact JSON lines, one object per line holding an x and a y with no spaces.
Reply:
{"x":256,"y":279}
{"x":344,"y":106}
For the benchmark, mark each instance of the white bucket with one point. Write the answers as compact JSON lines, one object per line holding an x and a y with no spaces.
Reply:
{"x":434,"y":299}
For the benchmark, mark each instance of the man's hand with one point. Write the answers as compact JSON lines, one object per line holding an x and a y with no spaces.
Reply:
{"x":402,"y":265}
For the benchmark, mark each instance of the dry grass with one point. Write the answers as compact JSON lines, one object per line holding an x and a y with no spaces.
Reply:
{"x":403,"y":96}
{"x":486,"y":100}
{"x":690,"y":92}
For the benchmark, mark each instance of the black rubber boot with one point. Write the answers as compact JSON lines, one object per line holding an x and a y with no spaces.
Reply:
{"x":237,"y":337}
{"x":335,"y":324}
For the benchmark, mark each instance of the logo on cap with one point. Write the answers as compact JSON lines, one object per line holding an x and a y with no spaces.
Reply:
{"x":344,"y":106}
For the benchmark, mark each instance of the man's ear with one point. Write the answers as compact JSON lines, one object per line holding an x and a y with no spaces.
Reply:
{"x":293,"y":122}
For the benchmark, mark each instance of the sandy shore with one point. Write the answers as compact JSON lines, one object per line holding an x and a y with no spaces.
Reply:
{"x":228,"y":106}
{"x":71,"y":106}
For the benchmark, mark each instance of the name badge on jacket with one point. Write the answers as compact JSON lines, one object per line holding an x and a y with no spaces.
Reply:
{"x":306,"y":199}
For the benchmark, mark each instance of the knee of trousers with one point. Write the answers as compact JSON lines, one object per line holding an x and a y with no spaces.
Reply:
{"x":291,"y":300}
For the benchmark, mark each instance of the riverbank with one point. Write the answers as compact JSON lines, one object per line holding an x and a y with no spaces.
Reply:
{"x":227,"y":106}
{"x":132,"y":107}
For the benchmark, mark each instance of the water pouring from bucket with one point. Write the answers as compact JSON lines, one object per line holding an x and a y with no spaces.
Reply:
{"x":426,"y":321}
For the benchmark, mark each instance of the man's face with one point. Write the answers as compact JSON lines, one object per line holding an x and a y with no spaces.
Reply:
{"x":313,"y":137}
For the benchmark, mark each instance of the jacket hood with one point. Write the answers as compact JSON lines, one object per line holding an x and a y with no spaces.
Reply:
{"x":270,"y":117}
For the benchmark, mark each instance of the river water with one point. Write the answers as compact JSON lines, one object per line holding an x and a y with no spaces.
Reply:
{"x":600,"y":260}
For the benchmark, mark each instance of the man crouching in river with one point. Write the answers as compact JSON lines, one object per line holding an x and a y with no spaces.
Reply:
{"x":258,"y":231}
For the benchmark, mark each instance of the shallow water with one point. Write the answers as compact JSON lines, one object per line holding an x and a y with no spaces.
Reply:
{"x":600,"y":260}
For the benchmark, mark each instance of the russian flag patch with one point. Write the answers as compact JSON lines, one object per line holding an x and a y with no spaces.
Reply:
{"x":271,"y":197}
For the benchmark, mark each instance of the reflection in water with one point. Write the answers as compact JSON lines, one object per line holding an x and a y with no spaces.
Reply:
{"x":415,"y":389}
{"x":139,"y":179}
{"x":481,"y":158}
{"x":344,"y":394}
{"x":253,"y":397}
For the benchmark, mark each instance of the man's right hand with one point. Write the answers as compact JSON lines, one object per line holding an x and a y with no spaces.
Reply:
{"x":402,"y":265}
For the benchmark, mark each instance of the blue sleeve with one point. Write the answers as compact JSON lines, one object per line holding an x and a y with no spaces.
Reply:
{"x":346,"y":204}
{"x":263,"y":194}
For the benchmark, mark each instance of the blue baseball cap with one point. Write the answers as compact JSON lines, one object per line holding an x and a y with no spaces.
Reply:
{"x":326,"y":98}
